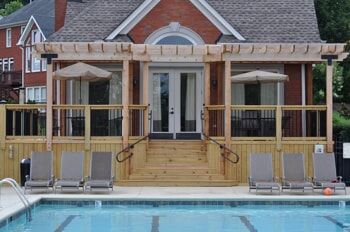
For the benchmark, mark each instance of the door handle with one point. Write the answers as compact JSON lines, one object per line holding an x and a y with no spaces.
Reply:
{"x":171,"y":110}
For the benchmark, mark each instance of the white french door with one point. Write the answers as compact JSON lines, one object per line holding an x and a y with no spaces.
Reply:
{"x":175,"y":103}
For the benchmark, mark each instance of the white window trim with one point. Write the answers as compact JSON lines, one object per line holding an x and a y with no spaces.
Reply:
{"x":8,"y":37}
{"x":28,"y":63}
{"x":175,"y":28}
{"x":35,"y":62}
{"x":40,"y":99}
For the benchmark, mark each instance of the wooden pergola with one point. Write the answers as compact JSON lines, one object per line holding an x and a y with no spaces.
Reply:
{"x":226,"y":53}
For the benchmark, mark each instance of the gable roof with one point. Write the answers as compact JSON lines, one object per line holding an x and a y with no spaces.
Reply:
{"x":263,"y":21}
{"x":44,"y":24}
{"x":39,"y":8}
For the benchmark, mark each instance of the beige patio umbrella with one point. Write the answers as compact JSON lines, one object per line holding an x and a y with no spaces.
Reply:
{"x":82,"y":72}
{"x":259,"y":76}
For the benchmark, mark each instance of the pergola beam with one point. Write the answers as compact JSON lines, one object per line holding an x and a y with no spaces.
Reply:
{"x":111,"y":51}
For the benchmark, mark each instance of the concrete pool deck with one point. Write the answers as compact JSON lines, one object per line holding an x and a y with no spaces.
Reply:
{"x":11,"y":204}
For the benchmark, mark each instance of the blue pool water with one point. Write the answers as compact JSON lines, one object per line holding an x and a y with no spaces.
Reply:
{"x":184,"y":216}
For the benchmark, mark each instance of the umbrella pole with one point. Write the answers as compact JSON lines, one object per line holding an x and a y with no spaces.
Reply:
{"x":80,"y":90}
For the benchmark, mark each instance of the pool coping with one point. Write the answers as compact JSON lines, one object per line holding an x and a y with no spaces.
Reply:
{"x":199,"y":195}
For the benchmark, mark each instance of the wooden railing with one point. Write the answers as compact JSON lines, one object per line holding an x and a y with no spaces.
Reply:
{"x":73,"y":120}
{"x":246,"y":122}
{"x":268,"y":121}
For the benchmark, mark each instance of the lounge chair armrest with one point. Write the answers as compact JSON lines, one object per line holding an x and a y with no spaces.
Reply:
{"x":275,"y":179}
{"x":27,"y":177}
{"x":340,"y":178}
{"x":310,"y":179}
{"x":88,"y":178}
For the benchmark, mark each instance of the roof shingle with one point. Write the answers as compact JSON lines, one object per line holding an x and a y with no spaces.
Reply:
{"x":258,"y":21}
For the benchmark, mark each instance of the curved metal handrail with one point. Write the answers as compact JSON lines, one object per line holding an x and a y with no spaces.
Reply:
{"x":225,"y":149}
{"x":127,"y":149}
{"x":21,"y":196}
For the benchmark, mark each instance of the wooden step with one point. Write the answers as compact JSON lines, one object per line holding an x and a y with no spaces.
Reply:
{"x":176,"y":171}
{"x":176,"y":159}
{"x":176,"y":183}
{"x":177,"y":163}
{"x":178,"y":177}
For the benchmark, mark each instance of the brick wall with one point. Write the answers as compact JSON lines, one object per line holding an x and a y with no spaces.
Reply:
{"x":60,"y":13}
{"x":181,"y":11}
{"x":292,"y":88}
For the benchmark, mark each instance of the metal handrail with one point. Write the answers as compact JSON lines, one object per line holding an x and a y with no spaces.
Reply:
{"x":224,"y":149}
{"x":131,"y":146}
{"x":20,"y":194}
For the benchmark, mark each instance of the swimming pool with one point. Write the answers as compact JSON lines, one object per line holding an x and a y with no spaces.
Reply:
{"x":169,"y":216}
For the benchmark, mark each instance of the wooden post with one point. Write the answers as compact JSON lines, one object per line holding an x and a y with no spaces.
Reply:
{"x":145,"y":97}
{"x":49,"y":98}
{"x":329,"y":100}
{"x":125,"y":103}
{"x":228,"y":103}
{"x":206,"y":97}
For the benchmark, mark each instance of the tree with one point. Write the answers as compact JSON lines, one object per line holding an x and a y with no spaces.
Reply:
{"x":11,"y":7}
{"x":319,"y":83}
{"x":333,"y":18}
{"x":4,"y":2}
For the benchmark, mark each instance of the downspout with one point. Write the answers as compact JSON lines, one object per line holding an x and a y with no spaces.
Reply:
{"x":21,"y":94}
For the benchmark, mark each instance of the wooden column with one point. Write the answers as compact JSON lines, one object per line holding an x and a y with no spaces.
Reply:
{"x":206,"y":97}
{"x":49,"y":100}
{"x":145,"y":87}
{"x":227,"y":103}
{"x":329,"y":101}
{"x":125,"y":103}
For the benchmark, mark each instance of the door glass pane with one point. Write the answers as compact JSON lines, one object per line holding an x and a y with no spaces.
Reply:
{"x":188,"y":102}
{"x":160,"y":114}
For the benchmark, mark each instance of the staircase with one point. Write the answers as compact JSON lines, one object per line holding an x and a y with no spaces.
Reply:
{"x":177,"y":163}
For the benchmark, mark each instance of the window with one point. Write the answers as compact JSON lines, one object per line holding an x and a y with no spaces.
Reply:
{"x":5,"y":64}
{"x":43,"y":65}
{"x":28,"y":63}
{"x":22,"y":29}
{"x":8,"y":37}
{"x":36,"y":38}
{"x":254,"y":94}
{"x":11,"y":68}
{"x":37,"y":94}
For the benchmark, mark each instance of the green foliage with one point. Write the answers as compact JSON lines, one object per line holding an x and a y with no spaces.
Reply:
{"x":11,"y":7}
{"x":340,"y":120}
{"x":4,"y":2}
{"x":11,"y":101}
{"x":319,"y":83}
{"x":333,"y":17}
{"x":31,"y":102}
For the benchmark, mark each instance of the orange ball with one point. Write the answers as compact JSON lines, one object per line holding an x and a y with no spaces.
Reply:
{"x":328,"y":191}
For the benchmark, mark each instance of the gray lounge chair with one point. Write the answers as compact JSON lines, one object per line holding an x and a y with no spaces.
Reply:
{"x":101,"y":167}
{"x":261,"y":173}
{"x":40,"y":171}
{"x":325,"y":174}
{"x":72,"y":171}
{"x":294,"y":172}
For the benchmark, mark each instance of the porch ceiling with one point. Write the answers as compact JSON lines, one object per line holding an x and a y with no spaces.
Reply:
{"x":238,"y":52}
